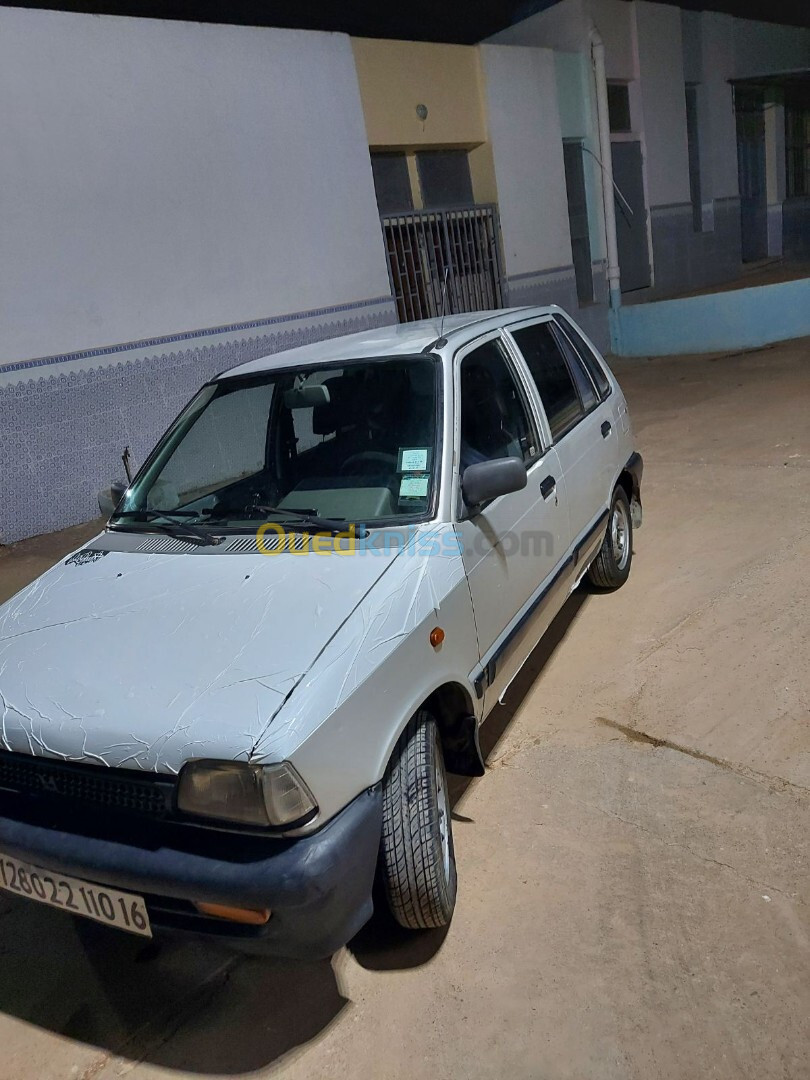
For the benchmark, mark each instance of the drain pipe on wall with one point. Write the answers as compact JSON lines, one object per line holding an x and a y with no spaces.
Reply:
{"x":606,"y":173}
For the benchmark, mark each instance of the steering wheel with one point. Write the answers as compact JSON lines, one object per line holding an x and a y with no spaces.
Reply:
{"x":371,"y":458}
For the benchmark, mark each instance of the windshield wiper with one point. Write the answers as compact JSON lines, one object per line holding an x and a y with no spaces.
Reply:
{"x":174,"y":525}
{"x":305,"y":518}
{"x":187,"y":532}
{"x":150,"y":513}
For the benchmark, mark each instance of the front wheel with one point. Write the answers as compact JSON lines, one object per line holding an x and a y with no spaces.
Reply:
{"x":611,"y":567}
{"x":417,"y":859}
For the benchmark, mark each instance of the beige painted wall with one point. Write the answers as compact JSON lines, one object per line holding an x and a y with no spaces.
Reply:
{"x":396,"y":76}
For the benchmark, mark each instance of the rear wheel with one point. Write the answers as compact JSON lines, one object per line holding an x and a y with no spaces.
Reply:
{"x":611,"y":567}
{"x":417,"y":858}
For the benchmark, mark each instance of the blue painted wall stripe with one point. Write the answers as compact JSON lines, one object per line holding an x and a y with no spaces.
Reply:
{"x":713,"y":322}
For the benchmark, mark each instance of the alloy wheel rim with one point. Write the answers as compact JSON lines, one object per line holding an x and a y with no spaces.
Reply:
{"x":620,"y":535}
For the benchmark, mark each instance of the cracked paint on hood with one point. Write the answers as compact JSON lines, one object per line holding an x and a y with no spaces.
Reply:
{"x":145,"y":661}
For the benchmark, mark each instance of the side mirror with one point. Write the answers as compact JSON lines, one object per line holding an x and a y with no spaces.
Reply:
{"x":109,"y":498}
{"x":489,"y":479}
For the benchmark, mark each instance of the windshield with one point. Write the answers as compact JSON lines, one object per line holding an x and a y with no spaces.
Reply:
{"x":354,"y":444}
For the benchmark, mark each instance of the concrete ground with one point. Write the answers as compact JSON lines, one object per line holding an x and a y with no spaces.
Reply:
{"x":633,"y":898}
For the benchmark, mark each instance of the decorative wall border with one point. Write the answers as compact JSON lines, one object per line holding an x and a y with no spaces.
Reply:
{"x":148,"y":346}
{"x":63,"y":431}
{"x":666,"y":210}
{"x":551,"y":274}
{"x":556,"y":285}
{"x":685,"y":208}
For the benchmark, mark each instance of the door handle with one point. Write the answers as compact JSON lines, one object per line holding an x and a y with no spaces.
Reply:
{"x":606,"y":429}
{"x":547,"y":486}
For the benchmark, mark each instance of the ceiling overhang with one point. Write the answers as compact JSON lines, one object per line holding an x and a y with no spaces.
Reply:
{"x":459,"y":21}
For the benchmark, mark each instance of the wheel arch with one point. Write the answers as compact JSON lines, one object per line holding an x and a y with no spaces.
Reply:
{"x":626,"y":481}
{"x":630,"y":478}
{"x":451,"y":705}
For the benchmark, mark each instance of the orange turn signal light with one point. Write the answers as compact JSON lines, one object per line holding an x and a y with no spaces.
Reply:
{"x":436,"y":636}
{"x":250,"y":916}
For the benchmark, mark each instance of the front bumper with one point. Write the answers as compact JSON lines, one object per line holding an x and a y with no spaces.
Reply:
{"x":318,"y":887}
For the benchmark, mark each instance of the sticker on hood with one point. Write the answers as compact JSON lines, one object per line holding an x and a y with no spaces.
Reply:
{"x":86,"y":555}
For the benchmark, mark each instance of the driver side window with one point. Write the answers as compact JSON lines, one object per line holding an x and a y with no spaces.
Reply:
{"x":495,"y":419}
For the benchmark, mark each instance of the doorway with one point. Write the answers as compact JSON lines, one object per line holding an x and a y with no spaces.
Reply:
{"x":750,"y":117}
{"x":631,"y":215}
{"x":578,"y":219}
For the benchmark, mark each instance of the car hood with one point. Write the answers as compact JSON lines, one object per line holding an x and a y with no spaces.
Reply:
{"x":147,"y":660}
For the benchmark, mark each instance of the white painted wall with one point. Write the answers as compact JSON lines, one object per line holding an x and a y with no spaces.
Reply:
{"x":565,"y":27}
{"x":735,"y":48}
{"x":661,"y":78}
{"x":524,"y":129}
{"x":692,"y":42}
{"x":159,"y":177}
{"x":577,"y":105}
{"x":719,"y":176}
{"x":661,"y":48}
{"x":562,"y":26}
{"x":573,"y":75}
{"x":767,"y":49}
{"x":614,"y":21}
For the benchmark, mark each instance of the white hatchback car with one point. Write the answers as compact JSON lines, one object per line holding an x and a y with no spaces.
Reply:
{"x":233,"y":707}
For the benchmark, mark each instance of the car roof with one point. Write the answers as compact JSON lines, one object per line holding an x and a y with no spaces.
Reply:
{"x":404,"y":339}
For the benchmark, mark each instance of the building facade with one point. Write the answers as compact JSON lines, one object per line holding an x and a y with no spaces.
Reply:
{"x":179,"y":198}
{"x":697,"y":103}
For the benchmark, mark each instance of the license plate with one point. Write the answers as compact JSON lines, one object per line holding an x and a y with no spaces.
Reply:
{"x":122,"y":910}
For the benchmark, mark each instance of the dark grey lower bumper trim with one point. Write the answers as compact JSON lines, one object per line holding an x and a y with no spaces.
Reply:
{"x":318,"y":887}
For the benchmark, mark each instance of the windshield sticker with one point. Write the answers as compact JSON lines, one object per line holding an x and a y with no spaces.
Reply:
{"x":413,"y":487}
{"x":413,"y":459}
{"x":79,"y":558}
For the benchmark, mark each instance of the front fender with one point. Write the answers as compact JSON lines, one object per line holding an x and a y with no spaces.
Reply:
{"x":341,"y":723}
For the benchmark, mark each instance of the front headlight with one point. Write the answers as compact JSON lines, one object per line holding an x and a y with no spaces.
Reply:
{"x":247,"y":794}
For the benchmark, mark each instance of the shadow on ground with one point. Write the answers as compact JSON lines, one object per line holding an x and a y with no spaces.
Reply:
{"x":236,"y":1014}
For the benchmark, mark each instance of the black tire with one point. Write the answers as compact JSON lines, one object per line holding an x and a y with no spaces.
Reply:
{"x":417,"y":860}
{"x":611,"y":567}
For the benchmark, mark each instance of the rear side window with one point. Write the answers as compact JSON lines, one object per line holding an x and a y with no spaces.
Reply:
{"x":582,"y":380}
{"x":585,"y":353}
{"x":551,"y":375}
